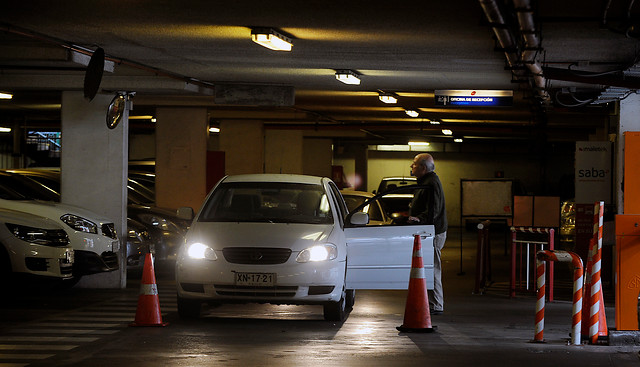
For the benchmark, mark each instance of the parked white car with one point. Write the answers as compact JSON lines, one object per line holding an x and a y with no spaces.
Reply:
{"x":92,"y":236}
{"x":31,"y":245}
{"x":289,"y":239}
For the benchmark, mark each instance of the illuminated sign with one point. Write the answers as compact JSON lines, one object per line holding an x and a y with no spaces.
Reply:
{"x":475,"y":98}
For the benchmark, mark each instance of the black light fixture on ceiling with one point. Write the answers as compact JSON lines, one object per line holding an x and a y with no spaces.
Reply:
{"x":387,"y":97}
{"x":348,"y":76}
{"x":271,"y":39}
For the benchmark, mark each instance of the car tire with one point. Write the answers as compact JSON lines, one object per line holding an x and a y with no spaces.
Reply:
{"x":336,"y":311}
{"x":350,"y":298}
{"x":189,"y":308}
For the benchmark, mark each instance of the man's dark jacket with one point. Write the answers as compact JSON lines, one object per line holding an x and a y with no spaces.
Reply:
{"x":428,"y":203}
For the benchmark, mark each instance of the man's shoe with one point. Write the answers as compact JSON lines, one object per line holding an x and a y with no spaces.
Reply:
{"x":436,"y":312}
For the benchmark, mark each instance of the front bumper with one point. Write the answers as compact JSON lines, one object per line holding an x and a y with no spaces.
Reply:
{"x":296,"y":283}
{"x":88,"y":262}
{"x":47,"y":262}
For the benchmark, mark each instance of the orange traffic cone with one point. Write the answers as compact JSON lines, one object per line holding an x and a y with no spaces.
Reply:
{"x":148,"y":311}
{"x":417,"y":318}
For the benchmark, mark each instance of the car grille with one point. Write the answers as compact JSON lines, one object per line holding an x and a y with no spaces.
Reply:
{"x":110,"y":259}
{"x":109,"y":230}
{"x":277,"y":291}
{"x":256,"y":255}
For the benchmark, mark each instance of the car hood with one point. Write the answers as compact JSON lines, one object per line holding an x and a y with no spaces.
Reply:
{"x":295,"y":236}
{"x":52,"y":209}
{"x":27,"y":219}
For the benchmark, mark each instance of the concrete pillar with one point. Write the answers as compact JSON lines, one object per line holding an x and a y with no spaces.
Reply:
{"x":283,"y":151}
{"x":629,"y":121}
{"x":181,"y":157}
{"x":94,"y":170}
{"x":243,"y":144}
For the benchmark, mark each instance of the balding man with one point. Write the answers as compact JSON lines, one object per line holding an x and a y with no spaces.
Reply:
{"x":427,"y":207}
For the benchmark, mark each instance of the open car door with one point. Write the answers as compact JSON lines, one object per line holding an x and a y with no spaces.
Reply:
{"x":379,"y":257}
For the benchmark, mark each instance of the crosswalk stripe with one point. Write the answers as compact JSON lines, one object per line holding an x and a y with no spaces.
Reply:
{"x":77,"y":324}
{"x":36,"y":347}
{"x":83,"y":318}
{"x":19,"y":338}
{"x":25,"y":356}
{"x":66,"y":331}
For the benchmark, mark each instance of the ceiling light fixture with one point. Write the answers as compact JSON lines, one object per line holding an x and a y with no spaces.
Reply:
{"x":418,"y":143}
{"x":447,"y":132}
{"x":271,"y":39}
{"x":214,"y":129}
{"x":5,"y":129}
{"x":434,"y":122}
{"x":412,"y":113}
{"x":457,"y":140}
{"x":348,"y":77}
{"x":387,"y":98}
{"x":4,"y":95}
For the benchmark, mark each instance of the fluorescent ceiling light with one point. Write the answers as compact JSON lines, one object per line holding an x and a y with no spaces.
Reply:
{"x":457,"y":140}
{"x":434,"y":122}
{"x":393,"y":148}
{"x":419,"y":143}
{"x":348,"y":77}
{"x":214,"y":129}
{"x":4,"y":95}
{"x":271,"y":39}
{"x":387,"y":98}
{"x":447,"y":132}
{"x":5,"y":129}
{"x":412,"y":113}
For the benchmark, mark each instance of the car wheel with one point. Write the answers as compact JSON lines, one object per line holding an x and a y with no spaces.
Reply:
{"x":189,"y":308}
{"x":350,"y":298}
{"x":336,"y":311}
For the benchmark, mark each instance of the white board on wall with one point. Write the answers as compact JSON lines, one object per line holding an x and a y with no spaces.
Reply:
{"x":486,"y":198}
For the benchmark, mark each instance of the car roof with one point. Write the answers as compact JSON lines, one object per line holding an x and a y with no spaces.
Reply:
{"x":276,"y":177}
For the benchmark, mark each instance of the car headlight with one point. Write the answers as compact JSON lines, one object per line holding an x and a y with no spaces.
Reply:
{"x":318,"y":253}
{"x":39,"y":236}
{"x":199,"y":250}
{"x":79,"y":224}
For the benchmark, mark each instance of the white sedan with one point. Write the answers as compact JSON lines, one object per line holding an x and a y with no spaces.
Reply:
{"x":33,"y":246}
{"x":289,"y":239}
{"x":92,"y":236}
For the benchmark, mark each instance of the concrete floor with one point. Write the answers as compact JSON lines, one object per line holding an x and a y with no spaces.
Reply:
{"x":475,"y":330}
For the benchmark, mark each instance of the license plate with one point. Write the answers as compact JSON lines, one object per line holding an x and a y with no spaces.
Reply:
{"x":256,"y":279}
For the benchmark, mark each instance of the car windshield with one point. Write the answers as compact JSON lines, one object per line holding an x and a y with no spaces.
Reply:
{"x":272,"y":202}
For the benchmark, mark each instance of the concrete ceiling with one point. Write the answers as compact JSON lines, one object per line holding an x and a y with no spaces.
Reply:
{"x":200,"y":53}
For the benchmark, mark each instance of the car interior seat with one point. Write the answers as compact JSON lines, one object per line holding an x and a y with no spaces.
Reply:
{"x":307,"y":203}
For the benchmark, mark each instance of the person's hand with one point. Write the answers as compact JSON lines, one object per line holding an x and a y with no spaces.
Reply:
{"x":413,"y":220}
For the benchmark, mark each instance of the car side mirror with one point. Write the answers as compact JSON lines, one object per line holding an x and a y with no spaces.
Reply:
{"x":359,"y":219}
{"x":185,"y":212}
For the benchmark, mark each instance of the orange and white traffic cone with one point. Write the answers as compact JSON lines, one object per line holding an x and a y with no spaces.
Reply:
{"x":417,"y":318}
{"x":148,"y":311}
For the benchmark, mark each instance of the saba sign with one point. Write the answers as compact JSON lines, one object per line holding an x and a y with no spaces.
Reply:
{"x":593,"y":171}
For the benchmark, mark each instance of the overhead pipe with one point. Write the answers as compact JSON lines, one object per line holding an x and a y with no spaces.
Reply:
{"x":508,"y":43}
{"x":531,"y":45}
{"x":502,"y":33}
